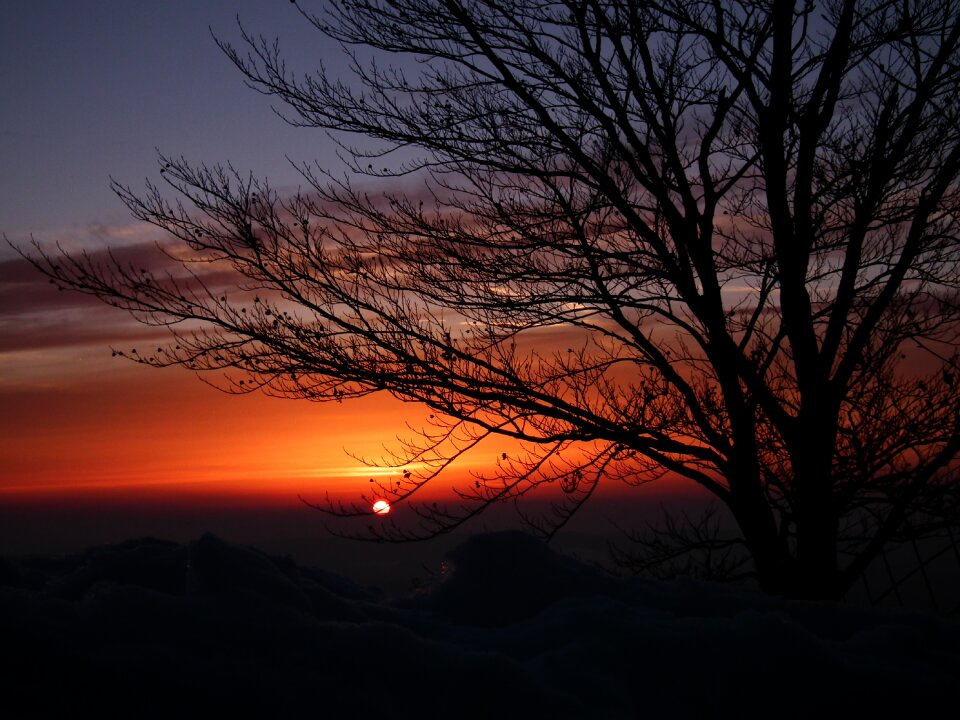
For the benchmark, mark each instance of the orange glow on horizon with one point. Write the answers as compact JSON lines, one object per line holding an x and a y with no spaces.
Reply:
{"x":114,"y":426}
{"x":111,"y":432}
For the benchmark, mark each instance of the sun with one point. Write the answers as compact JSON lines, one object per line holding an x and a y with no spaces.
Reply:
{"x":381,"y":507}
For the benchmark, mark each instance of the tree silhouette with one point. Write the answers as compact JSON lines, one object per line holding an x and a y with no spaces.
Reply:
{"x":716,"y":240}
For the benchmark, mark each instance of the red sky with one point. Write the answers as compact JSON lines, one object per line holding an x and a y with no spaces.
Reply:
{"x":76,"y":418}
{"x":109,"y":424}
{"x":82,"y":426}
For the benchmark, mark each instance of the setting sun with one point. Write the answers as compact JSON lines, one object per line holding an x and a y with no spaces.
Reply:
{"x":381,"y":507}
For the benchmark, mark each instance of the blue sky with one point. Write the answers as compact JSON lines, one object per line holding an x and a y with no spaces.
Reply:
{"x":91,"y":89}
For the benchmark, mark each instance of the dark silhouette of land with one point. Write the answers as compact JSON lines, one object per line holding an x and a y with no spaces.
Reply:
{"x":153,"y":628}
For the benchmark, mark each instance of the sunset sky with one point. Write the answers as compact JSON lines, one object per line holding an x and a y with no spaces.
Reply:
{"x":92,"y":92}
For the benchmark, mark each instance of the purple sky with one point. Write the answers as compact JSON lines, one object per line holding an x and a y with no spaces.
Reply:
{"x":92,"y":88}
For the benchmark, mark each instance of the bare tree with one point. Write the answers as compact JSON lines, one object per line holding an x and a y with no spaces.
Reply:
{"x":744,"y":213}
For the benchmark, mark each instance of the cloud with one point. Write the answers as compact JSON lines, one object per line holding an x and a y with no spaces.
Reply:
{"x":34,"y":314}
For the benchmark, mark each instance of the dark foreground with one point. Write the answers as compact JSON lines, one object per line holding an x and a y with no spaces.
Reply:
{"x":157,"y":629}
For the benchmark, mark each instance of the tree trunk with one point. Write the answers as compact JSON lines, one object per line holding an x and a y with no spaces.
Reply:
{"x":817,"y":575}
{"x":770,"y":555}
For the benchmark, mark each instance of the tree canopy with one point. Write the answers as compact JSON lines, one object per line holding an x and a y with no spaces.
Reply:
{"x":742,"y":215}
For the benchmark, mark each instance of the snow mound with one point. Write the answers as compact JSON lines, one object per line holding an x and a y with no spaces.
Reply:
{"x":150,"y":628}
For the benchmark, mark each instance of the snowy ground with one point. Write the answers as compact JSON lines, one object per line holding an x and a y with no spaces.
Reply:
{"x":150,"y":628}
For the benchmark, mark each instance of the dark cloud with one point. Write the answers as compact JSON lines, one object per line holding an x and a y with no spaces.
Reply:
{"x":151,"y":628}
{"x":34,"y":314}
{"x":23,"y":289}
